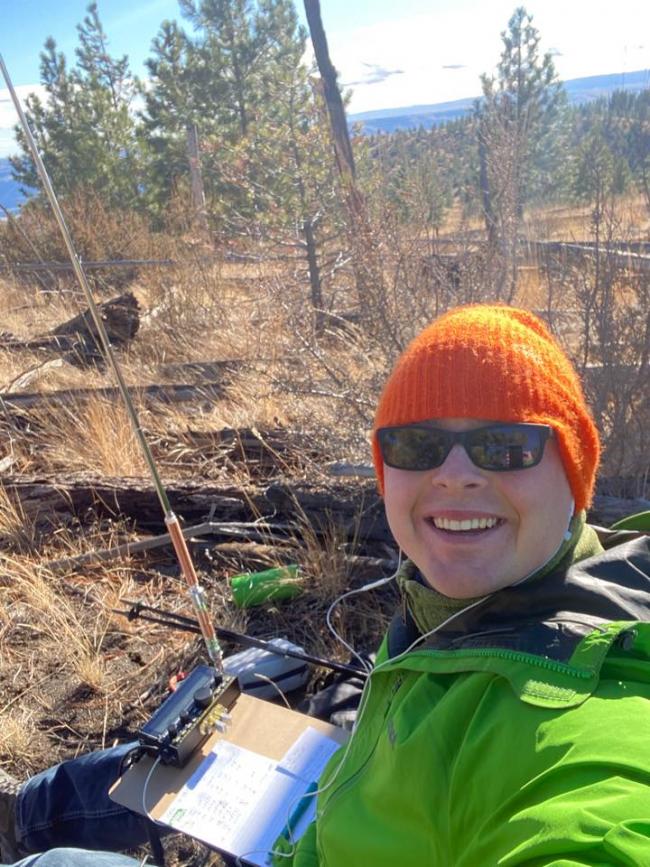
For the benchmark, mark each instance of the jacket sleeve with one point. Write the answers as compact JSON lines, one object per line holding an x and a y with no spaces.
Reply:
{"x":625,"y":845}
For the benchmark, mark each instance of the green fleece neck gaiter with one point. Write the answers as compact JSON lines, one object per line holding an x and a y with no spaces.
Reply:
{"x":429,"y":608}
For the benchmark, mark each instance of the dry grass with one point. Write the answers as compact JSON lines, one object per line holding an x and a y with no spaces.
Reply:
{"x":16,"y":531}
{"x":18,"y":731}
{"x":55,"y":621}
{"x":574,"y":222}
{"x":95,"y":436}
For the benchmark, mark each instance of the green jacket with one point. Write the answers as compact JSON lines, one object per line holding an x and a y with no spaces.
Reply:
{"x":519,"y":734}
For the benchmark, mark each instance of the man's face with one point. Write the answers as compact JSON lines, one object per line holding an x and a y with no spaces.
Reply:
{"x":529,"y":510}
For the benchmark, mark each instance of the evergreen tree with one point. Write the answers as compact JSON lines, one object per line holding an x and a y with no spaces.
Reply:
{"x":518,"y":118}
{"x":601,"y":173}
{"x":85,"y":131}
{"x":228,"y":79}
{"x":230,"y":54}
{"x":629,"y":135}
{"x":172,"y":106}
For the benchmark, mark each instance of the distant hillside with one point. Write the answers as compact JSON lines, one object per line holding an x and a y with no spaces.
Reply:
{"x":10,"y":195}
{"x":579,"y":90}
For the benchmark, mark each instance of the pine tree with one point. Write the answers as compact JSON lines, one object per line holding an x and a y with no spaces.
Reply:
{"x":516,"y":120}
{"x":85,"y":130}
{"x":53,"y":125}
{"x":172,"y":106}
{"x":629,"y":135}
{"x":523,"y":105}
{"x":227,"y":80}
{"x":229,"y":55}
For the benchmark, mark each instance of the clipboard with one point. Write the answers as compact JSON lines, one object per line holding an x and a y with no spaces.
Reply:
{"x":266,"y":729}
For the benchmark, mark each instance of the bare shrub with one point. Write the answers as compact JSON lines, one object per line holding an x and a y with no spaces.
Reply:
{"x":99,"y":233}
{"x":598,"y":300}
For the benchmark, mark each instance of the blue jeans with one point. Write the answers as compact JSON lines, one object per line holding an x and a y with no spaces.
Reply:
{"x":76,"y":858}
{"x":68,"y":806}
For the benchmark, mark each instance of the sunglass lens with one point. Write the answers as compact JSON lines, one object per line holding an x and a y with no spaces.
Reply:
{"x":412,"y":448}
{"x":506,"y":448}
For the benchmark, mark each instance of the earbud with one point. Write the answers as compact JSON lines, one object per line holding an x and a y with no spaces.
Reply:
{"x":572,"y":506}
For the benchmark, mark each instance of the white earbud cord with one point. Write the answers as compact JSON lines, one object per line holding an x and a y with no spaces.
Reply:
{"x":365,"y":665}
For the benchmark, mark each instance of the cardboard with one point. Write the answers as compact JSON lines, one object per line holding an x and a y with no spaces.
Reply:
{"x":257,"y":725}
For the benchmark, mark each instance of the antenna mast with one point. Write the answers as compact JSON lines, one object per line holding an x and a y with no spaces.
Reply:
{"x":196,"y":592}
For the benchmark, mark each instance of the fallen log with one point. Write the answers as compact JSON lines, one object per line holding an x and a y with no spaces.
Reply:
{"x":166,"y":393}
{"x":607,"y":510}
{"x":552,"y":252}
{"x":78,"y":337}
{"x":48,"y":502}
{"x":353,"y":512}
{"x":121,"y":318}
{"x":275,"y":449}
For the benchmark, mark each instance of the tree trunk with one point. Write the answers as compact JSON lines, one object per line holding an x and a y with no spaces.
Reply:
{"x":198,"y":191}
{"x":367,"y":267}
{"x":314,"y":275}
{"x":486,"y":196}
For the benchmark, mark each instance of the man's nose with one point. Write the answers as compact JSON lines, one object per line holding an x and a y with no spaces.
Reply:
{"x":458,"y":471}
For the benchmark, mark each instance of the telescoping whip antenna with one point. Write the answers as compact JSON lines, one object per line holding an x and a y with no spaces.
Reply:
{"x":197,"y":593}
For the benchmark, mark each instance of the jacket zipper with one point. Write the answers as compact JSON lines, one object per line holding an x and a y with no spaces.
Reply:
{"x":399,"y":680}
{"x":513,"y":656}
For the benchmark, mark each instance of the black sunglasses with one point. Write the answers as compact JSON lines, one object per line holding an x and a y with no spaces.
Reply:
{"x":495,"y":447}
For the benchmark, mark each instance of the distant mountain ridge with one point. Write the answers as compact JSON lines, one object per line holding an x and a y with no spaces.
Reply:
{"x":579,"y":90}
{"x":10,"y":195}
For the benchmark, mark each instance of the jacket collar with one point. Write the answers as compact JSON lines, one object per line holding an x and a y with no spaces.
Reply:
{"x":565,"y":625}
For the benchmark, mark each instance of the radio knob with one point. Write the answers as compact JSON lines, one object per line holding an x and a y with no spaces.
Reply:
{"x":172,"y":730}
{"x":185,"y":717}
{"x":203,"y":697}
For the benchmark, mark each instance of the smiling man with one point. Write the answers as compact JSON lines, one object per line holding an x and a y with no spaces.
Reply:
{"x":506,"y":720}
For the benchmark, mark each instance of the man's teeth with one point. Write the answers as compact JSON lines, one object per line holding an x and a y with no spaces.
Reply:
{"x":471,"y":524}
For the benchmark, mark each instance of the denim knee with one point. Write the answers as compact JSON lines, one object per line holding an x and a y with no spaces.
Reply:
{"x":76,"y":858}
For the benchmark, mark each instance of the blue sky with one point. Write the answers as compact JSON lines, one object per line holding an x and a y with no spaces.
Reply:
{"x":390,"y":52}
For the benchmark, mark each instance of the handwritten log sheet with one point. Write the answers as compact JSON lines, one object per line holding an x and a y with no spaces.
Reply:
{"x":240,"y":801}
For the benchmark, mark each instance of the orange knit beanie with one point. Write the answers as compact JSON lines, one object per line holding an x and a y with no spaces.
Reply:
{"x":496,"y":363}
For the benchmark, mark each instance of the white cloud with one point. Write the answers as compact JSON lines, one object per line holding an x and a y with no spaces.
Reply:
{"x":443,"y":53}
{"x":374,"y":74}
{"x":9,"y":118}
